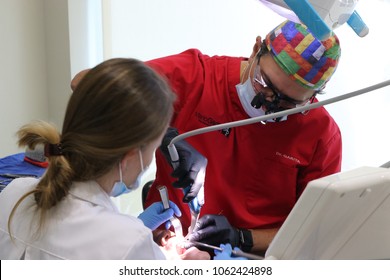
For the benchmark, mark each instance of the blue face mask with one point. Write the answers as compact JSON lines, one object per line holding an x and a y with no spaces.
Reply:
{"x":120,"y":187}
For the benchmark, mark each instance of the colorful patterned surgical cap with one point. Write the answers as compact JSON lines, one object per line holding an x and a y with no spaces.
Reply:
{"x":304,"y":58}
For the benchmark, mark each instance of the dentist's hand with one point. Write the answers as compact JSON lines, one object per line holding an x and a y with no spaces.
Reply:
{"x":214,"y":230}
{"x":191,"y":165}
{"x":155,"y":215}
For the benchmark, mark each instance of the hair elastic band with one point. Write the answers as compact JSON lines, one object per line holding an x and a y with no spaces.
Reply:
{"x":53,"y":150}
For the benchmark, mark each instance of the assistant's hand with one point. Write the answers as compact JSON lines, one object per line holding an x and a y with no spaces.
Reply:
{"x":226,"y":253}
{"x":155,"y":215}
{"x":214,"y":230}
{"x":191,"y":165}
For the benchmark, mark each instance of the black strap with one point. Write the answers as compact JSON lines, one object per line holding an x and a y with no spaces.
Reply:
{"x":246,"y":240}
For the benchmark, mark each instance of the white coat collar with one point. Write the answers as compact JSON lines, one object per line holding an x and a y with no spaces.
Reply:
{"x":92,"y":192}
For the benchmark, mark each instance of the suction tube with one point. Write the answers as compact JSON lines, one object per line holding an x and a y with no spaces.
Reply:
{"x":279,"y":114}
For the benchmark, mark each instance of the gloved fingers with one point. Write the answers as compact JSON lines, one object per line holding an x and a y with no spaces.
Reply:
{"x":168,"y":224}
{"x":190,"y":163}
{"x":182,"y":182}
{"x":175,"y":208}
{"x":166,"y":215}
{"x":225,"y":254}
{"x":192,"y":192}
{"x":226,"y":248}
{"x":183,"y":178}
{"x":204,"y":222}
{"x":221,"y":221}
{"x":191,"y":182}
{"x":182,"y":172}
{"x":205,"y":235}
{"x":179,"y":171}
{"x":155,"y":215}
{"x":237,"y":249}
{"x":194,"y":204}
{"x":188,"y":174}
{"x":159,"y":207}
{"x":156,"y":208}
{"x":185,"y":160}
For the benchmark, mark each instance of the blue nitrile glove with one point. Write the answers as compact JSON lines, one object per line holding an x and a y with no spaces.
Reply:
{"x":226,"y":253}
{"x":191,"y":163}
{"x":155,"y":215}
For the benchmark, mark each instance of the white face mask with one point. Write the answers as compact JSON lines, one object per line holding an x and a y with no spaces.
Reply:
{"x":120,"y":187}
{"x":246,"y":93}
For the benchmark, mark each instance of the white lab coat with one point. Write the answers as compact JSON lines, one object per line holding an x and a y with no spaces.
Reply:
{"x":85,"y":225}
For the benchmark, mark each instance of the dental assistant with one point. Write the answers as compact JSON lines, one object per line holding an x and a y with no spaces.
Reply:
{"x":114,"y":121}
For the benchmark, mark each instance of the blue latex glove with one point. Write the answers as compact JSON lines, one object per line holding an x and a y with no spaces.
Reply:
{"x":226,"y":253}
{"x":155,"y":215}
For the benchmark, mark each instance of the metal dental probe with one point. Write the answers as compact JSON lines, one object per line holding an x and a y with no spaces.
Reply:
{"x":234,"y":252}
{"x":175,"y":221}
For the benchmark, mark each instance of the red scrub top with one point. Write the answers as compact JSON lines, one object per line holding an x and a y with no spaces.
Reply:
{"x":256,"y":172}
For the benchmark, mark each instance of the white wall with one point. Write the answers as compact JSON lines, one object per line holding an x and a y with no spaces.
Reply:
{"x":44,"y":43}
{"x":85,"y":34}
{"x":35,"y":65}
{"x":23,"y":87}
{"x":364,"y":62}
{"x":57,"y":58}
{"x":152,"y":28}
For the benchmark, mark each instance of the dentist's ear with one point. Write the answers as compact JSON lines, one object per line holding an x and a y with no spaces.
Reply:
{"x":256,"y":48}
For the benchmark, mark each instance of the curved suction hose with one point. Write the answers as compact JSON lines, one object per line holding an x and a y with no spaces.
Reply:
{"x":279,"y":114}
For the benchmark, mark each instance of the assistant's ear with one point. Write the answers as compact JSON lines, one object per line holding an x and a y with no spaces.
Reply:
{"x":128,"y":158}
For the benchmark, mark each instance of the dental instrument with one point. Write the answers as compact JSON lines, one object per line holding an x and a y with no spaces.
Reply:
{"x":235,"y":253}
{"x":174,"y":220}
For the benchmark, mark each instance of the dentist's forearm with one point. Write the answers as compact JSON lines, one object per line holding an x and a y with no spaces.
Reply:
{"x":261,"y":239}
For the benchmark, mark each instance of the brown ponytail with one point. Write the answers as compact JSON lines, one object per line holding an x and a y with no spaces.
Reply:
{"x":57,"y":179}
